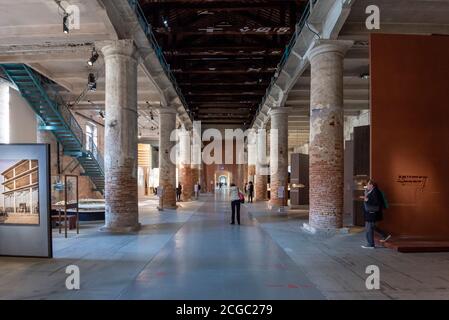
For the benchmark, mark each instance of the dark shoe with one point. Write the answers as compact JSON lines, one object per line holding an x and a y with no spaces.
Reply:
{"x":232,"y":223}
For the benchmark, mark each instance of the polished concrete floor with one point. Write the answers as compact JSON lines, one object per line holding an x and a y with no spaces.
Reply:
{"x":193,"y":253}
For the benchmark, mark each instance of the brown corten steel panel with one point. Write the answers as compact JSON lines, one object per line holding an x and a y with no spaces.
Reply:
{"x":410,"y":132}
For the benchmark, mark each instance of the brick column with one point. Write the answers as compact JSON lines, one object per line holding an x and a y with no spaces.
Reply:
{"x":326,"y":134}
{"x":261,"y":172}
{"x":167,"y":168}
{"x":195,"y":173}
{"x":279,"y":155}
{"x":185,"y":167}
{"x":121,"y":137}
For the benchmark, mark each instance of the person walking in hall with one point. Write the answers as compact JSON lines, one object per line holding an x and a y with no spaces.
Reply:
{"x":250,"y":192}
{"x":374,"y":203}
{"x":178,"y":192}
{"x":196,"y":190}
{"x":246,"y":188}
{"x":235,"y":203}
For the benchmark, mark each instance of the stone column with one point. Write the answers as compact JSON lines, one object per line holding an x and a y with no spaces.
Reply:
{"x":279,"y":155}
{"x":121,"y":137}
{"x":252,"y":154}
{"x":167,"y":167}
{"x":261,"y":170}
{"x":185,"y":166}
{"x":326,"y":134}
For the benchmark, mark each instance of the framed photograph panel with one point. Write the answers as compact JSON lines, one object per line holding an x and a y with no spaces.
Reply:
{"x":25,"y":200}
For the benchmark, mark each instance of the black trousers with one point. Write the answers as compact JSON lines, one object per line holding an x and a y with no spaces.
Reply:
{"x":235,"y":206}
{"x":250,"y":197}
{"x":369,"y":227}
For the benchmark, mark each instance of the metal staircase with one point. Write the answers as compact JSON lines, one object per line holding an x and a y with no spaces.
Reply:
{"x":57,"y":118}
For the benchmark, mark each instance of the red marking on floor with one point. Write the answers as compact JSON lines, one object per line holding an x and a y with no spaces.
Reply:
{"x":275,"y":285}
{"x":293,"y":286}
{"x":161,"y":274}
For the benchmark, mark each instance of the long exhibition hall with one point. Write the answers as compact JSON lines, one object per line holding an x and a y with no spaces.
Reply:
{"x":224,"y":150}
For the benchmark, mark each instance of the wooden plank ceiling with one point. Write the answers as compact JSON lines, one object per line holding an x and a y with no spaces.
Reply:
{"x":223,"y":53}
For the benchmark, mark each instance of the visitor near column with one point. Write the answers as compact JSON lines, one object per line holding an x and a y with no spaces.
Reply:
{"x":235,"y":203}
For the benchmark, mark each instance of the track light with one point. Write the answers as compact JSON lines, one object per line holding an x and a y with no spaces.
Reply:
{"x":165,"y":21}
{"x":364,"y":76}
{"x":93,"y":57}
{"x":92,"y":82}
{"x":65,"y":23}
{"x":101,"y":113}
{"x":151,"y":110}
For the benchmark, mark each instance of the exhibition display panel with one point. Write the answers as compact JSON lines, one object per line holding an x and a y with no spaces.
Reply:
{"x":25,"y":200}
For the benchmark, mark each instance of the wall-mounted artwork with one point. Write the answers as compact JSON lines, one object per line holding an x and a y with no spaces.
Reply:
{"x":19,"y":192}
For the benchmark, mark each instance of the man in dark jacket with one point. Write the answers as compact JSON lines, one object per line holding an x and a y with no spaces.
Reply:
{"x":250,"y":192}
{"x":373,"y":208}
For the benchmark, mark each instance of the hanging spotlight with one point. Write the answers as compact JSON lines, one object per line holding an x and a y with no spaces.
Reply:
{"x":365,"y":76}
{"x":101,"y":113}
{"x":165,"y":21}
{"x":93,"y":57}
{"x":92,"y":82}
{"x":65,"y":23}
{"x":151,"y":110}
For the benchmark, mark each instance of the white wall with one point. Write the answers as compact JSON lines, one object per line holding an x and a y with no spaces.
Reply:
{"x":363,"y":119}
{"x":22,"y":120}
{"x":4,"y":112}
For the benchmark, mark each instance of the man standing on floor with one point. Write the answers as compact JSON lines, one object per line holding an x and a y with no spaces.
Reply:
{"x":250,"y":192}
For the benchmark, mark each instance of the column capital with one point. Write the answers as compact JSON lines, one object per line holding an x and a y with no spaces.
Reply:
{"x":279,"y":111}
{"x":124,"y":47}
{"x":325,"y":46}
{"x":166,"y":110}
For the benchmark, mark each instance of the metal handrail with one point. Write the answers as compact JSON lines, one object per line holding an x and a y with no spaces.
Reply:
{"x":58,"y":104}
{"x":299,"y":26}
{"x":92,"y":149}
{"x":147,"y":29}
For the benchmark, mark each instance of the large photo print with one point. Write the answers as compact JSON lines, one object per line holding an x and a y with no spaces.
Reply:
{"x":19,"y":192}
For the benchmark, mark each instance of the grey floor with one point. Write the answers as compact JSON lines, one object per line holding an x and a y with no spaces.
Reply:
{"x":193,"y":253}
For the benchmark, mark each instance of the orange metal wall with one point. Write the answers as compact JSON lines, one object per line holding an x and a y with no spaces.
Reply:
{"x":410,"y":132}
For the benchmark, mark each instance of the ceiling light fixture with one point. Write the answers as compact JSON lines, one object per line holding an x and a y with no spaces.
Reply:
{"x":92,"y":82}
{"x":65,"y":23}
{"x":93,"y":58}
{"x":364,"y":76}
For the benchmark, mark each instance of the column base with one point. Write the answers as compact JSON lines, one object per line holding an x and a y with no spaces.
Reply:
{"x":167,"y":207}
{"x":135,"y":228}
{"x":324,"y":231}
